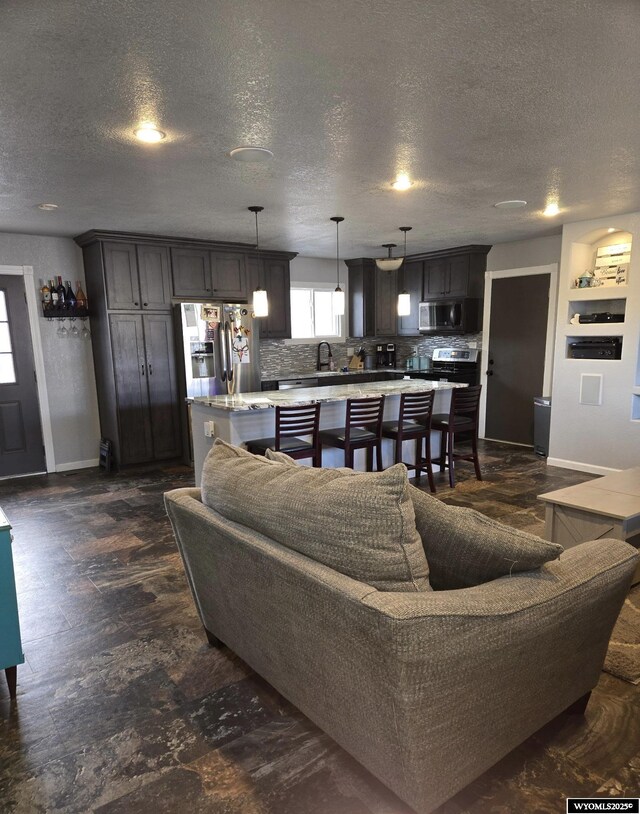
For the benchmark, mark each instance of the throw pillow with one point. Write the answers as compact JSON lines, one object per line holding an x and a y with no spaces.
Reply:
{"x":359,"y":523}
{"x":280,"y":457}
{"x":465,"y":548}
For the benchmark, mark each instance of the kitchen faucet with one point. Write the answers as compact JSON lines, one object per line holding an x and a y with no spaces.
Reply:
{"x":326,"y":365}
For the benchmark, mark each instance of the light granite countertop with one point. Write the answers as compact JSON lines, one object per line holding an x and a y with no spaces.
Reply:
{"x":320,"y":374}
{"x":310,"y":395}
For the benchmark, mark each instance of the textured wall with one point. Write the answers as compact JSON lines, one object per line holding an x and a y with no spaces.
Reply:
{"x":69,"y":362}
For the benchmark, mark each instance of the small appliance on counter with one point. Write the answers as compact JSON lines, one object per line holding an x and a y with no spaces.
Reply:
{"x":386,"y":355}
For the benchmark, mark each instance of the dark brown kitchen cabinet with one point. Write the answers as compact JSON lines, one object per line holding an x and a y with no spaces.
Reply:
{"x":191,"y":270}
{"x":372,"y":299}
{"x":137,"y":277}
{"x":447,"y":277}
{"x":145,"y":386}
{"x":386,"y":296}
{"x":209,"y":275}
{"x":272,"y":274}
{"x":410,"y":280}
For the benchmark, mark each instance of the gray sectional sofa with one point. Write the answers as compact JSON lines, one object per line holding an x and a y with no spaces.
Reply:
{"x":426,"y":688}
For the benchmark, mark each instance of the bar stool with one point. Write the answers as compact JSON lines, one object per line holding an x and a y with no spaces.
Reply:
{"x":414,"y":421}
{"x":362,"y":430}
{"x":462,"y":420}
{"x":292,"y":422}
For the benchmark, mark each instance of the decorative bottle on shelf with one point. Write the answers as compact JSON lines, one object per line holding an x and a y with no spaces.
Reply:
{"x":53,"y":291}
{"x":69,"y":296}
{"x":81,"y":299}
{"x":62,"y":299}
{"x":45,"y":292}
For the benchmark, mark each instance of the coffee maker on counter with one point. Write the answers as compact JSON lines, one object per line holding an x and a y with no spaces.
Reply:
{"x":386,"y":355}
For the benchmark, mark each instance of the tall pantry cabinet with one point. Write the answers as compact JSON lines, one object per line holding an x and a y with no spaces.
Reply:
{"x":129,"y":289}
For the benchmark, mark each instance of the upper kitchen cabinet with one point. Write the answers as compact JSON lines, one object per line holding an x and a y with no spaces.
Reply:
{"x":455,"y":272}
{"x":272,"y":273}
{"x":202,"y":274}
{"x":121,"y":276}
{"x":372,"y":299}
{"x":154,"y":269}
{"x":191,"y":273}
{"x":410,"y":279}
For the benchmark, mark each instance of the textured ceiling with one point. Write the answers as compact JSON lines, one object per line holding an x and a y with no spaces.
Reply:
{"x":478,"y":100}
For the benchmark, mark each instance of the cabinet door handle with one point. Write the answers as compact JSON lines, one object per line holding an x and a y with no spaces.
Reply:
{"x":135,"y":303}
{"x":150,"y":369}
{"x":145,"y":304}
{"x":142,"y":369}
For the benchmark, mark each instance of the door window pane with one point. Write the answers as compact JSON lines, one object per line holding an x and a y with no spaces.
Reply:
{"x":3,"y":308}
{"x":5,"y":338}
{"x":7,"y":370}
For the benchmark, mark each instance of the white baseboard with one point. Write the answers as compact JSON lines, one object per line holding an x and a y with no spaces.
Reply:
{"x":582,"y":467}
{"x":77,"y":465}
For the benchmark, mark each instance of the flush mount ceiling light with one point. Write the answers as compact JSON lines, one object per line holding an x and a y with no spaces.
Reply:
{"x":404,"y":298}
{"x":389,"y":263}
{"x":48,"y":207}
{"x":515,"y":204}
{"x":260,"y":300}
{"x":338,"y":294}
{"x":149,"y":133}
{"x":258,"y":155}
{"x":611,"y":229}
{"x":402,"y":182}
{"x":551,"y":209}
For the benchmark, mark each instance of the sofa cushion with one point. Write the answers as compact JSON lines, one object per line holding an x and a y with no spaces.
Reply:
{"x":465,"y":548}
{"x":280,"y":457}
{"x":359,"y":523}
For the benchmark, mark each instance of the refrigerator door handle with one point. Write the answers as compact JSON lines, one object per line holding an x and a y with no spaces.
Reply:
{"x":223,"y":353}
{"x":227,"y":328}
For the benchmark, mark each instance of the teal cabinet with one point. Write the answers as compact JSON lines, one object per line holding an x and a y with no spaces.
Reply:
{"x":10,"y":645}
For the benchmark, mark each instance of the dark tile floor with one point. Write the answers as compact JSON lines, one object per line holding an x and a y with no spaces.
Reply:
{"x":123,"y":707}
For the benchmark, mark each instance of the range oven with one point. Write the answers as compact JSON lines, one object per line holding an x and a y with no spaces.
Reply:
{"x":456,"y":365}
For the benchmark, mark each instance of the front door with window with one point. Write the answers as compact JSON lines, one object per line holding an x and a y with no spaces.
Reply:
{"x":21,"y":446}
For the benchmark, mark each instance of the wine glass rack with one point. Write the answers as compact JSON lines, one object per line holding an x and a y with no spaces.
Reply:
{"x":64,"y":312}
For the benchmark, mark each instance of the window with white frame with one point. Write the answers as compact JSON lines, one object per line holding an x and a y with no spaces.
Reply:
{"x":312,"y":315}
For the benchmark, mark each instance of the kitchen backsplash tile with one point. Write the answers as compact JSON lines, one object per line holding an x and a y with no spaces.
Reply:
{"x":278,"y":359}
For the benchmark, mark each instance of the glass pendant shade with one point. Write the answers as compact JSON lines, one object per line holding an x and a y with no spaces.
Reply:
{"x":260,"y":303}
{"x":389,"y":263}
{"x":404,"y":304}
{"x":338,"y":302}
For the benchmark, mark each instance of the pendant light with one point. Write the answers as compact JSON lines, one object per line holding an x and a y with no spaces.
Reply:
{"x":260,"y":301}
{"x":404,"y":298}
{"x":338,"y":294}
{"x":389,"y":263}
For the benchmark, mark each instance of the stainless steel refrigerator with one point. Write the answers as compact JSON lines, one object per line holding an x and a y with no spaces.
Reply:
{"x":221,"y":348}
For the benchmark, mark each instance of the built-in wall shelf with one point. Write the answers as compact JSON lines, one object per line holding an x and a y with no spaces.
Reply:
{"x":595,"y":329}
{"x":635,"y":406}
{"x":598,"y":292}
{"x":616,"y":306}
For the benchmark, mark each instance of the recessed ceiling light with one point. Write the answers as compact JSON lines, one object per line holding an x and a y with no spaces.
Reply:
{"x":551,"y":210}
{"x":515,"y":204}
{"x":611,"y":229}
{"x":402,"y":182}
{"x":149,"y":133}
{"x":48,"y":207}
{"x":256,"y":154}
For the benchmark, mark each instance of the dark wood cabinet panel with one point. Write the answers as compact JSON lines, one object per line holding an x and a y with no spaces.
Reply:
{"x":386,"y":302}
{"x":163,"y":387}
{"x":458,"y":282}
{"x":274,"y":276}
{"x":435,"y":278}
{"x":410,"y":280}
{"x":362,"y":299}
{"x":228,"y":276}
{"x":121,"y":276}
{"x":134,"y":425}
{"x":191,"y":273}
{"x":154,"y":269}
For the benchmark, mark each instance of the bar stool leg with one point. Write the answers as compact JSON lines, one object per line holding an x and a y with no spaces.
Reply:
{"x":427,"y":458}
{"x":476,"y":462}
{"x":369,"y":464}
{"x":418,"y":466}
{"x":378,"y":455}
{"x":398,"y":448}
{"x":348,"y":457}
{"x":443,"y":449}
{"x":452,"y":478}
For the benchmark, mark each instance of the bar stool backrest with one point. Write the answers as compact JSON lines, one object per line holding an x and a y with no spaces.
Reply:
{"x":365,"y":413}
{"x":465,"y":403}
{"x":416,"y":407}
{"x":298,"y":420}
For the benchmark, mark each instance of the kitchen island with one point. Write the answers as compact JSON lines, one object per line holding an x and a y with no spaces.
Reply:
{"x":245,"y":416}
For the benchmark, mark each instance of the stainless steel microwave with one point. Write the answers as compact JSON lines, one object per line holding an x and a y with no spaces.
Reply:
{"x":449,"y":316}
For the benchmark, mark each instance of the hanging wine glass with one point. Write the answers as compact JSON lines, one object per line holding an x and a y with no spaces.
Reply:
{"x":75,"y":333}
{"x":62,"y":332}
{"x":84,"y":333}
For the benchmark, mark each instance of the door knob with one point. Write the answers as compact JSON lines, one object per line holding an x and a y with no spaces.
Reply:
{"x":489,"y":372}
